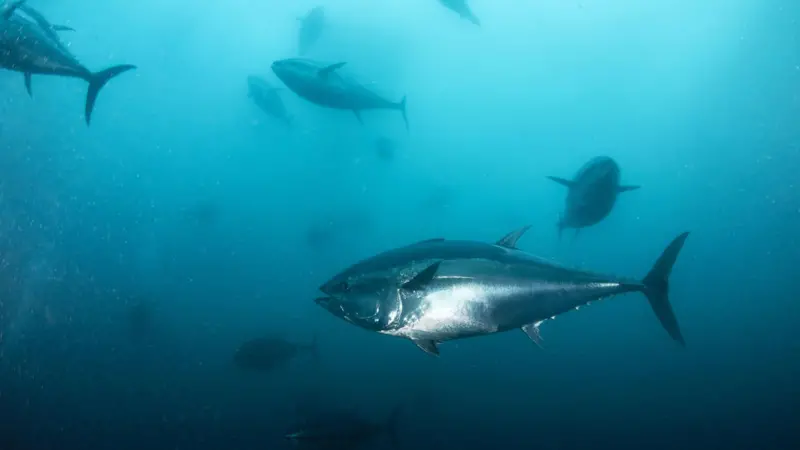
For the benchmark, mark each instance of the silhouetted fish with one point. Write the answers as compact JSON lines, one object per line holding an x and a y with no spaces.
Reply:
{"x":321,"y":84}
{"x":311,"y":27}
{"x":385,"y":148}
{"x":344,"y":429}
{"x":265,"y":354}
{"x":32,"y":47}
{"x":592,"y":193}
{"x":461,"y":7}
{"x":204,"y":212}
{"x":267,"y":99}
{"x":140,"y":318}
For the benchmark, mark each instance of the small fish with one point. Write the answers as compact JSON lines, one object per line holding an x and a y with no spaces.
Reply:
{"x":592,"y":193}
{"x":322,"y":85}
{"x":440,"y":290}
{"x":269,"y":353}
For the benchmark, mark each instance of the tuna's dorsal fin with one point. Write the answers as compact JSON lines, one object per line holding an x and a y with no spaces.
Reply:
{"x":563,"y":181}
{"x":8,"y":10}
{"x":532,"y":330}
{"x":325,"y":71}
{"x":510,"y":240}
{"x":427,"y":346}
{"x":421,"y":279}
{"x":627,"y":188}
{"x":28,"y":81}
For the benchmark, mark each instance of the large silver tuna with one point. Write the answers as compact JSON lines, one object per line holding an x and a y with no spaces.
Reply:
{"x":440,"y":290}
{"x":322,"y":84}
{"x":31,"y":46}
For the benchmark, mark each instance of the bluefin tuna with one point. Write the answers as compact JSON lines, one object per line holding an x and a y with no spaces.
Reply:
{"x":440,"y":290}
{"x":592,"y":193}
{"x":311,"y":27}
{"x":461,"y":7}
{"x":32,"y":47}
{"x":344,"y":429}
{"x":269,"y":353}
{"x":323,"y":85}
{"x":266,"y":97}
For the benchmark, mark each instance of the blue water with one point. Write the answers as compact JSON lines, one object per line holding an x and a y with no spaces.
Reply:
{"x":186,"y":198}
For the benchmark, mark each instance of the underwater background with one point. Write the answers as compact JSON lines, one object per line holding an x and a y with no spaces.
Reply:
{"x":137,"y":254}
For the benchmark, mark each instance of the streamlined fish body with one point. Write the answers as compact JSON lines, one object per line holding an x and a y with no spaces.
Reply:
{"x":592,"y":193}
{"x":321,"y":84}
{"x":32,"y":48}
{"x":440,"y":290}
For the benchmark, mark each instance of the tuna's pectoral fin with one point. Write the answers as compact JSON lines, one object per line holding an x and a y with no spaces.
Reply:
{"x":28,"y":80}
{"x":627,"y":188}
{"x":358,"y":116}
{"x":427,"y":346}
{"x":402,"y":107}
{"x":656,"y":288}
{"x":562,"y":181}
{"x":325,"y":71}
{"x":510,"y":240}
{"x":96,"y":82}
{"x":532,"y":330}
{"x":421,"y":279}
{"x":62,"y":28}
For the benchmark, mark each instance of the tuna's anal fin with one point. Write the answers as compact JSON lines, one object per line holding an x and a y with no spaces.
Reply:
{"x":421,"y":279}
{"x":627,"y":188}
{"x":562,"y":181}
{"x":325,"y":71}
{"x":63,"y":28}
{"x":510,"y":240}
{"x":656,"y":288}
{"x":28,"y":80}
{"x":358,"y":116}
{"x":427,"y":346}
{"x":532,"y":330}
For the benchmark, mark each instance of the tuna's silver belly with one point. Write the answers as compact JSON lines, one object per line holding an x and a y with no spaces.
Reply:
{"x":454,"y":307}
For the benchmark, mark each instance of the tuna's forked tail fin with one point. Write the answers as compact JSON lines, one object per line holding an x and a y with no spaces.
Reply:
{"x":656,"y":288}
{"x":96,"y":82}
{"x":402,"y":107}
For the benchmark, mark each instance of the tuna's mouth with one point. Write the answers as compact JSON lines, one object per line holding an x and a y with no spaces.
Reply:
{"x":323,"y":301}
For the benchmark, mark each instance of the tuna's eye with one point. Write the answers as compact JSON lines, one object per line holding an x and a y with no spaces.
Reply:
{"x":344,"y":286}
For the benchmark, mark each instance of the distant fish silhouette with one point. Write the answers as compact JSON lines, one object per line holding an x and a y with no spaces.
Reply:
{"x":205,"y":212}
{"x":592,"y":193}
{"x":385,"y":148}
{"x":461,"y":7}
{"x":344,"y":429}
{"x":311,"y":27}
{"x":269,"y":353}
